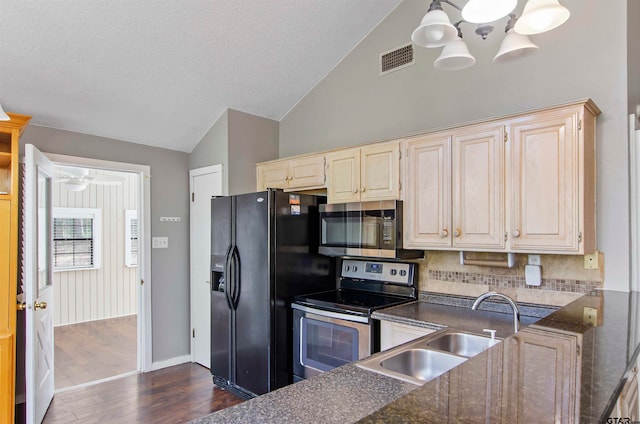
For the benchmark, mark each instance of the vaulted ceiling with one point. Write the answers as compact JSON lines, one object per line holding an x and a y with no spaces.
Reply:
{"x":162,"y":72}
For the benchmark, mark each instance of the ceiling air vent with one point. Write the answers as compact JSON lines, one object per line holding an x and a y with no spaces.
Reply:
{"x":396,"y":59}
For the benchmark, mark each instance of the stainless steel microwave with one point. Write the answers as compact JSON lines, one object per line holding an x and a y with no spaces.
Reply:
{"x":371,"y":229}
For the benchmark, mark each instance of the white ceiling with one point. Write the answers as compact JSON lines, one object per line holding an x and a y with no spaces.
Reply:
{"x":162,"y":72}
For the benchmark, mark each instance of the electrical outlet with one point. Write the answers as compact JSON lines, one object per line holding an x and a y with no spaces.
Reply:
{"x":534,"y":260}
{"x":590,"y":316}
{"x":591,"y":261}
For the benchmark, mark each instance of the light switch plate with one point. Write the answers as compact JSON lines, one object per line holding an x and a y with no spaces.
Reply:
{"x":532,"y":275}
{"x":160,"y":242}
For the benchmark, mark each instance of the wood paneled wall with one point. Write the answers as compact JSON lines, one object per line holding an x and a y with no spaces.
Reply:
{"x":110,"y":291}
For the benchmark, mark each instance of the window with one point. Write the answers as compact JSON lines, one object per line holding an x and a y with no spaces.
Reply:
{"x":131,"y":238}
{"x":76,"y":238}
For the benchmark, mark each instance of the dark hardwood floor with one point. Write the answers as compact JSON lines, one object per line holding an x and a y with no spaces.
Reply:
{"x":171,"y":395}
{"x":94,"y":350}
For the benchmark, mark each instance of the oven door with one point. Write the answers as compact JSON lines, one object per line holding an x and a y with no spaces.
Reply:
{"x":324,"y":340}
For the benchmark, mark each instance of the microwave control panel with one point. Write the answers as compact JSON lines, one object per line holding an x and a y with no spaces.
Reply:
{"x":392,"y":272}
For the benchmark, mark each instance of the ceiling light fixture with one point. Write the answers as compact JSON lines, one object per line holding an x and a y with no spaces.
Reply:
{"x":436,"y":30}
{"x":76,"y":184}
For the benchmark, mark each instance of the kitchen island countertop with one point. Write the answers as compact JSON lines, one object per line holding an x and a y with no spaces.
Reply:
{"x":349,"y":394}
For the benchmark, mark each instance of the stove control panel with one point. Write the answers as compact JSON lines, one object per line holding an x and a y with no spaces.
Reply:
{"x":391,"y":272}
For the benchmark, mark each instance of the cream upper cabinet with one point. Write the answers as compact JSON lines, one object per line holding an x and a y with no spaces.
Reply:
{"x":553,"y":181}
{"x":455,"y":190}
{"x":477,"y":180}
{"x":305,"y":172}
{"x":427,"y":204}
{"x":343,"y":168}
{"x":522,"y":184}
{"x":364,"y":173}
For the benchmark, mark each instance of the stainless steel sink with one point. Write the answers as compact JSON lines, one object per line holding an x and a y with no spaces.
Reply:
{"x":428,"y":357}
{"x":463,"y":344}
{"x":422,"y":364}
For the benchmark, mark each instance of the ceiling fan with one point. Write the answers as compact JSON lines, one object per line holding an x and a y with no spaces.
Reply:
{"x":77,"y":179}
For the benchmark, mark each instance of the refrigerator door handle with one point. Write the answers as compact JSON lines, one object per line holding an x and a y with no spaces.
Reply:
{"x":228,"y":278}
{"x":235,"y":288}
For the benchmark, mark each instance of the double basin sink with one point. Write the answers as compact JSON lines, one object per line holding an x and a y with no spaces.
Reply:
{"x":428,"y":357}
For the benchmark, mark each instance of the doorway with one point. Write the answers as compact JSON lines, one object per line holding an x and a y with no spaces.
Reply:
{"x":204,"y":183}
{"x":95,"y":274}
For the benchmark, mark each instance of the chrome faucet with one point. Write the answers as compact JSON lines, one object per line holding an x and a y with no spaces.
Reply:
{"x":516,"y":312}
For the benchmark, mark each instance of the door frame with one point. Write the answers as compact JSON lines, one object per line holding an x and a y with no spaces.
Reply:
{"x":192,"y":228}
{"x":144,"y":324}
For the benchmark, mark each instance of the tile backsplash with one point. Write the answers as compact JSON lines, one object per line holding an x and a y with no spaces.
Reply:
{"x":563,"y":277}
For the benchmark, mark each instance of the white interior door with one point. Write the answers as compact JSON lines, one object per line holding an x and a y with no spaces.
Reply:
{"x":205,"y":183}
{"x":38,"y":284}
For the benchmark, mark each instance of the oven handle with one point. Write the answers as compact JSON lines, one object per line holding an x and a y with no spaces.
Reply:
{"x":301,"y":345}
{"x":330,"y":314}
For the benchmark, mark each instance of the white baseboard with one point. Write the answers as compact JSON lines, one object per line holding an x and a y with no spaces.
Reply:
{"x":156,"y":365}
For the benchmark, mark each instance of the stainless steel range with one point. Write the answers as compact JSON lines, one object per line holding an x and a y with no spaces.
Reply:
{"x":335,"y":327}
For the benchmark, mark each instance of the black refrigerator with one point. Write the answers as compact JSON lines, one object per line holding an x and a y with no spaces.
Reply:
{"x":263,"y":253}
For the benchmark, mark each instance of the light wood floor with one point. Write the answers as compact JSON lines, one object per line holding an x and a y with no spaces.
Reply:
{"x":171,"y":395}
{"x":94,"y":350}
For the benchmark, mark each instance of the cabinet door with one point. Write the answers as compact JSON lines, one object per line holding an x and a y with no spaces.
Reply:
{"x":380,"y":172}
{"x":307,"y":172}
{"x":273,"y":175}
{"x":427,"y":205}
{"x":545,"y":184}
{"x":343,"y":181}
{"x":478,"y":188}
{"x":541,"y":377}
{"x":480,"y":380}
{"x":393,"y":334}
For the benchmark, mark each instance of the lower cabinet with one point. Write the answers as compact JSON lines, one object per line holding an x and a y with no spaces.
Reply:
{"x":541,"y":377}
{"x":480,"y":380}
{"x":627,"y":405}
{"x":394,"y":334}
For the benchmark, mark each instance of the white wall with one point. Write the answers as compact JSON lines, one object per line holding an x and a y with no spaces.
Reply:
{"x":585,"y":57}
{"x":111,"y":290}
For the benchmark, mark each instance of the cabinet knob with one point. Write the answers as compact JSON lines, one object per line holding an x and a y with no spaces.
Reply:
{"x":444,"y":233}
{"x":456,"y":233}
{"x":516,"y":233}
{"x":363,"y":189}
{"x":355,"y":190}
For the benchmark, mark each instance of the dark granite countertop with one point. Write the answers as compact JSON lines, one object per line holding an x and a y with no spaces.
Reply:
{"x":527,"y":380}
{"x":346,"y":394}
{"x":488,"y":387}
{"x":458,"y":314}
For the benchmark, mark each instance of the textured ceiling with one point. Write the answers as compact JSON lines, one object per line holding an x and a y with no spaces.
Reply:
{"x":162,"y":72}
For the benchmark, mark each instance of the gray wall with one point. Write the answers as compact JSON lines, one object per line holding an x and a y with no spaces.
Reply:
{"x":633,"y":53}
{"x":252,"y":139}
{"x":585,"y":57}
{"x":169,"y":197}
{"x":238,"y":141}
{"x":213,"y":148}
